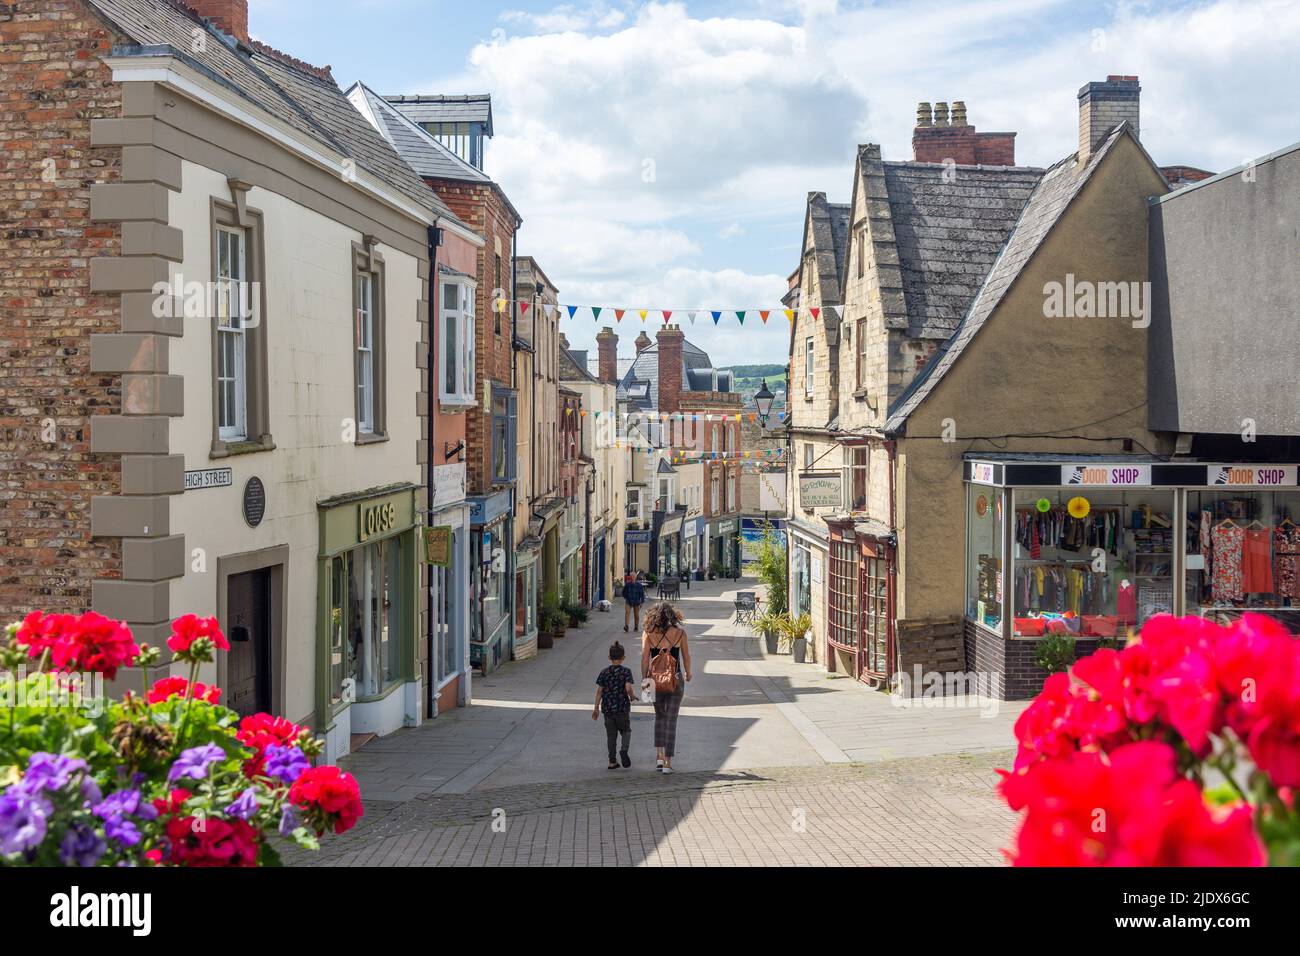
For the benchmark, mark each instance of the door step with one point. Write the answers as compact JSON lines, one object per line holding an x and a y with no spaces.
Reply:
{"x":357,"y":741}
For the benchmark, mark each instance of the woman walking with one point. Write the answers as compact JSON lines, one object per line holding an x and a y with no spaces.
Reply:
{"x":665,"y":659}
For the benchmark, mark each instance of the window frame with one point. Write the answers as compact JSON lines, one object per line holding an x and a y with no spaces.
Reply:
{"x":368,"y":263}
{"x":809,"y":373}
{"x":465,"y":348}
{"x":503,"y":442}
{"x":237,"y":334}
{"x":235,"y":216}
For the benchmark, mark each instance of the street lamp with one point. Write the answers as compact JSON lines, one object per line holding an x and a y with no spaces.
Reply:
{"x":763,"y":398}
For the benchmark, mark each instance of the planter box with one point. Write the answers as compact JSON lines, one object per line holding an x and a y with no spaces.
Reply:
{"x":800,"y":650}
{"x":544,"y":640}
{"x":771,"y":642}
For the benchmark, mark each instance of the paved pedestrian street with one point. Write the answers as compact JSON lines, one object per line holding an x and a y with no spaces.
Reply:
{"x":778,"y":764}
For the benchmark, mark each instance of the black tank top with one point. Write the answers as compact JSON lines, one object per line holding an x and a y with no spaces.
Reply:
{"x":676,"y":651}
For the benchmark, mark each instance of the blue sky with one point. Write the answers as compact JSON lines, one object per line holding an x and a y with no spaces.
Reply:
{"x":661,"y":153}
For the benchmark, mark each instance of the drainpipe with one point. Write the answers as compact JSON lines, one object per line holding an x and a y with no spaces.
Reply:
{"x":891,"y":599}
{"x":435,"y":305}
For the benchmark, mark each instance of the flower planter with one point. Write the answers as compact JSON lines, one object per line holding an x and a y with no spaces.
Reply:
{"x":545,"y":640}
{"x":800,"y":650}
{"x":772,"y":642}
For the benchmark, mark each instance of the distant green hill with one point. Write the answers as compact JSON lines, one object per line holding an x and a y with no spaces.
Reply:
{"x":757,"y":371}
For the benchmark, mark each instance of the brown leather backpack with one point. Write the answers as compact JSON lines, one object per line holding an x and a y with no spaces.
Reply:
{"x":663,"y":668}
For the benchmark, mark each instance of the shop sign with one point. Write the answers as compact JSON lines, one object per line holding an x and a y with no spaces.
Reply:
{"x":1252,"y":476}
{"x":727,"y":527}
{"x":693,"y":528}
{"x":437,"y":546}
{"x":1107,"y":475}
{"x":821,"y":490}
{"x":209,"y":478}
{"x":448,"y":485}
{"x":982,"y":472}
{"x":637,"y":537}
{"x":375,"y":520}
{"x":487,"y":508}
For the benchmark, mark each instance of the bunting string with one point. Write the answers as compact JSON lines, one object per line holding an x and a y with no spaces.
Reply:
{"x":664,"y":315}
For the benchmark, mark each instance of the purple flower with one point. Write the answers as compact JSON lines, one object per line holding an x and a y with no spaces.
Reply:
{"x":116,"y":811}
{"x":82,"y":846}
{"x":90,"y":791}
{"x":285,"y":763}
{"x":194,"y":762}
{"x":122,"y":830}
{"x":46,"y":771}
{"x":245,"y":806}
{"x":288,"y":821}
{"x":23,"y":819}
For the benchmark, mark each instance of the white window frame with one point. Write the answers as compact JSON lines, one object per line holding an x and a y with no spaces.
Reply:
{"x":809,"y":371}
{"x":461,"y":390}
{"x":231,"y":326}
{"x":634,"y":497}
{"x":365,"y":352}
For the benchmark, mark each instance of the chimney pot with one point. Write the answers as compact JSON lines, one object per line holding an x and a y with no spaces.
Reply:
{"x":958,"y":113}
{"x":940,"y":114}
{"x":1105,"y":105}
{"x":924,"y":115}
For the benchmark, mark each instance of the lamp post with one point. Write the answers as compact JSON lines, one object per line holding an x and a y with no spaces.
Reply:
{"x":763,"y":398}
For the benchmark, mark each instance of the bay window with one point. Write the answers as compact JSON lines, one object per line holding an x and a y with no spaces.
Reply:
{"x":456,"y":341}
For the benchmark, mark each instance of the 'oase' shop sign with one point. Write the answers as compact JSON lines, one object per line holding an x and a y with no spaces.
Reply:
{"x":375,"y":520}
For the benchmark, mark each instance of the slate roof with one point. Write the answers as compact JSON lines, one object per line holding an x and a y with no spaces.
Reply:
{"x":444,"y":108}
{"x":645,"y":370}
{"x":419,"y":149}
{"x":572,"y":369}
{"x":949,"y":225}
{"x":298,"y":94}
{"x":1049,"y":200}
{"x":829,"y":223}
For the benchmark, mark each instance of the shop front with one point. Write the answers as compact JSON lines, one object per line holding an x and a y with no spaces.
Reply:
{"x":367,"y":680}
{"x":752,"y":533}
{"x":693,"y":550}
{"x":446,"y":556}
{"x":527,"y":562}
{"x":808,"y":560}
{"x":725,"y":546}
{"x":669,"y":545}
{"x":571,"y":565}
{"x":1093,"y":548}
{"x":636,"y":549}
{"x":860,"y":601}
{"x":491,"y":586}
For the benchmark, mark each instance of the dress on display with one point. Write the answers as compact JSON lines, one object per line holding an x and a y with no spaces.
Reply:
{"x":1228,"y":542}
{"x":1257,"y":566}
{"x":1286,"y":566}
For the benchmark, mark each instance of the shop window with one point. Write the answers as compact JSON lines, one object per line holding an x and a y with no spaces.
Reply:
{"x":843,"y":604}
{"x":984,"y":562}
{"x":1091,"y":562}
{"x":490,"y":589}
{"x":456,"y":342}
{"x":1243,"y":554}
{"x":875,"y":615}
{"x":802,"y":580}
{"x":341,"y":665}
{"x":526,"y":601}
{"x":374,"y":603}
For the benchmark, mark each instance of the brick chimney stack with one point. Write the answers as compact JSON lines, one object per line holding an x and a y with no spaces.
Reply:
{"x":943,"y":137}
{"x":670,"y":340}
{"x":1103,"y":106}
{"x":642,"y":342}
{"x":607,"y":350}
{"x":228,"y":16}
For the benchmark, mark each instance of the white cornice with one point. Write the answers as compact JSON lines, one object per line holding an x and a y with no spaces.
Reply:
{"x":184,"y":79}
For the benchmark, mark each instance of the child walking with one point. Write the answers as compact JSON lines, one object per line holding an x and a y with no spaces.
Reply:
{"x":614,"y":695}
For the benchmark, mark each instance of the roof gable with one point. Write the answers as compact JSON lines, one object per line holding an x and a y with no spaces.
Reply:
{"x":421,"y":150}
{"x":1054,"y":193}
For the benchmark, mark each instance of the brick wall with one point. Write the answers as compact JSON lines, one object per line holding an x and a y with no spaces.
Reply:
{"x":1015,"y":674}
{"x":52,"y":85}
{"x":230,"y":16}
{"x":483,"y":208}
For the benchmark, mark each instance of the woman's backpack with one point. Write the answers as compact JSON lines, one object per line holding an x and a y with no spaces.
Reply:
{"x":663,"y":669}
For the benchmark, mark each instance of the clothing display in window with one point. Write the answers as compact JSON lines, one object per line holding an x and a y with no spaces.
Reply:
{"x":1056,"y":528}
{"x":1228,"y":545}
{"x":1126,"y":603}
{"x":1286,"y":559}
{"x":1257,"y":567}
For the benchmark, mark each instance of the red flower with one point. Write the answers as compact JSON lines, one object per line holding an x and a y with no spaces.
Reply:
{"x":169,"y":687}
{"x":90,"y":642}
{"x":39,"y":631}
{"x":1127,"y":808}
{"x":211,"y":842}
{"x":173,"y":802}
{"x":190,"y":627}
{"x":260,"y":731}
{"x":332,"y":793}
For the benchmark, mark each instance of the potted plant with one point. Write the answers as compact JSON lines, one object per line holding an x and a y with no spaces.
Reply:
{"x":715,"y":569}
{"x":575,"y":611}
{"x":794,"y":632}
{"x":770,"y":626}
{"x":552,"y":618}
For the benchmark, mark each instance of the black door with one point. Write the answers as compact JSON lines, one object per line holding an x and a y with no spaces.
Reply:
{"x":248,"y":616}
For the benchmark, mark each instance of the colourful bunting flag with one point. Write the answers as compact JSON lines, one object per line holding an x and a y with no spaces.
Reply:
{"x":815,"y":312}
{"x":618,"y":314}
{"x":667,"y":315}
{"x":548,"y":308}
{"x":838,"y":310}
{"x":741,"y":316}
{"x":716,"y":316}
{"x":595,"y":313}
{"x":642,"y":313}
{"x":523,"y":308}
{"x":763,"y":316}
{"x":789,"y":314}
{"x":691,"y":316}
{"x":572,"y":310}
